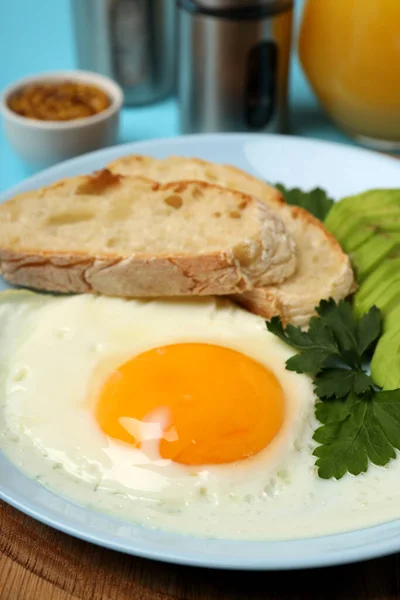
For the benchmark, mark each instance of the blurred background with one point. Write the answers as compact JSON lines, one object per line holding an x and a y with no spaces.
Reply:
{"x":183,"y":78}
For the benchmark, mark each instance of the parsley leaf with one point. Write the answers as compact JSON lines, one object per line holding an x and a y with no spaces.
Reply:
{"x":317,"y":345}
{"x":333,"y":349}
{"x":315,"y":202}
{"x":338,"y":383}
{"x":353,"y":338}
{"x":334,"y":411}
{"x":356,"y":430}
{"x":369,"y":329}
{"x":359,"y":422}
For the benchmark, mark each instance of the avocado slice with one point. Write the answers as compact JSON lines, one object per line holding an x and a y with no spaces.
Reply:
{"x":387,"y":213}
{"x":385,"y":364}
{"x":392,"y":320}
{"x":360,"y":204}
{"x":368,"y":227}
{"x":364,"y":230}
{"x":385,"y":296}
{"x":357,"y":219}
{"x":383,"y":273}
{"x":371,"y":254}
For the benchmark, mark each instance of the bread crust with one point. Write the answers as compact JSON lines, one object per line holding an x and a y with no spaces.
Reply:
{"x":270,"y":258}
{"x":140,"y":164}
{"x":125,"y":277}
{"x":297,"y":307}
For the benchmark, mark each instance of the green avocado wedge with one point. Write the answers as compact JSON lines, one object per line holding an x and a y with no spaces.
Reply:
{"x":384,"y":280}
{"x":386,"y":297}
{"x":364,"y":204}
{"x":392,"y":320}
{"x":367,"y":226}
{"x":362,"y":230}
{"x":385,"y":364}
{"x":370,"y":255}
{"x":355,"y":222}
{"x":387,"y":270}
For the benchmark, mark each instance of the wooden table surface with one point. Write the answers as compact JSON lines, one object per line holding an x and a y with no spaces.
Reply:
{"x":38,"y":563}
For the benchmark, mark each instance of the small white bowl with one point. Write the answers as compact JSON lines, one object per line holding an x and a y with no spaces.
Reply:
{"x":44,"y":143}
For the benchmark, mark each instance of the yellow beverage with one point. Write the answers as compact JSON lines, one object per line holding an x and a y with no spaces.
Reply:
{"x":350,"y":51}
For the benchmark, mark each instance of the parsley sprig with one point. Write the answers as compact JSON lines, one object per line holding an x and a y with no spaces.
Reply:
{"x":356,"y":430}
{"x":360,"y":423}
{"x":317,"y":202}
{"x":334,"y":348}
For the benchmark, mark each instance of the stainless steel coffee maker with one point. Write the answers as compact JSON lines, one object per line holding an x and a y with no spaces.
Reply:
{"x":233,"y":64}
{"x":131,"y":41}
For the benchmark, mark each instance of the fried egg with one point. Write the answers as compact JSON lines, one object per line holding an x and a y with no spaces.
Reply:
{"x":176,"y":414}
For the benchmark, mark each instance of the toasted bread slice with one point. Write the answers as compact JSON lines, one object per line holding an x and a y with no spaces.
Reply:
{"x":177,"y":168}
{"x":130,"y":236}
{"x":323,"y":269}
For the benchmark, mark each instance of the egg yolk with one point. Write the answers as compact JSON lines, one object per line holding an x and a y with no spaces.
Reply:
{"x":221,"y":405}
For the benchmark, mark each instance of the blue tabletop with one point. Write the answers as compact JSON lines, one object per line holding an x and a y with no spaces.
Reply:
{"x":37,"y":36}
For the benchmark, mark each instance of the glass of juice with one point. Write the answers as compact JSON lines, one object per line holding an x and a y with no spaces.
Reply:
{"x":350,"y":52}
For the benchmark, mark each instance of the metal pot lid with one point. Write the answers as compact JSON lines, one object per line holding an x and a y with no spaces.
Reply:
{"x":225,"y":5}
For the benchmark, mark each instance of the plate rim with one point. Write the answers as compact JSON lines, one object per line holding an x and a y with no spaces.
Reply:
{"x":82,"y":158}
{"x":188,"y":558}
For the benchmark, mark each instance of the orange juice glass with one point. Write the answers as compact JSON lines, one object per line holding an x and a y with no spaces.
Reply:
{"x":350,"y":51}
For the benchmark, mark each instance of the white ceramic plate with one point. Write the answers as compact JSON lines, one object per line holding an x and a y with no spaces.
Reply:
{"x":294,"y":161}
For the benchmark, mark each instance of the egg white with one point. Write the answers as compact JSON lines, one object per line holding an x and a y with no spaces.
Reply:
{"x":56,"y":353}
